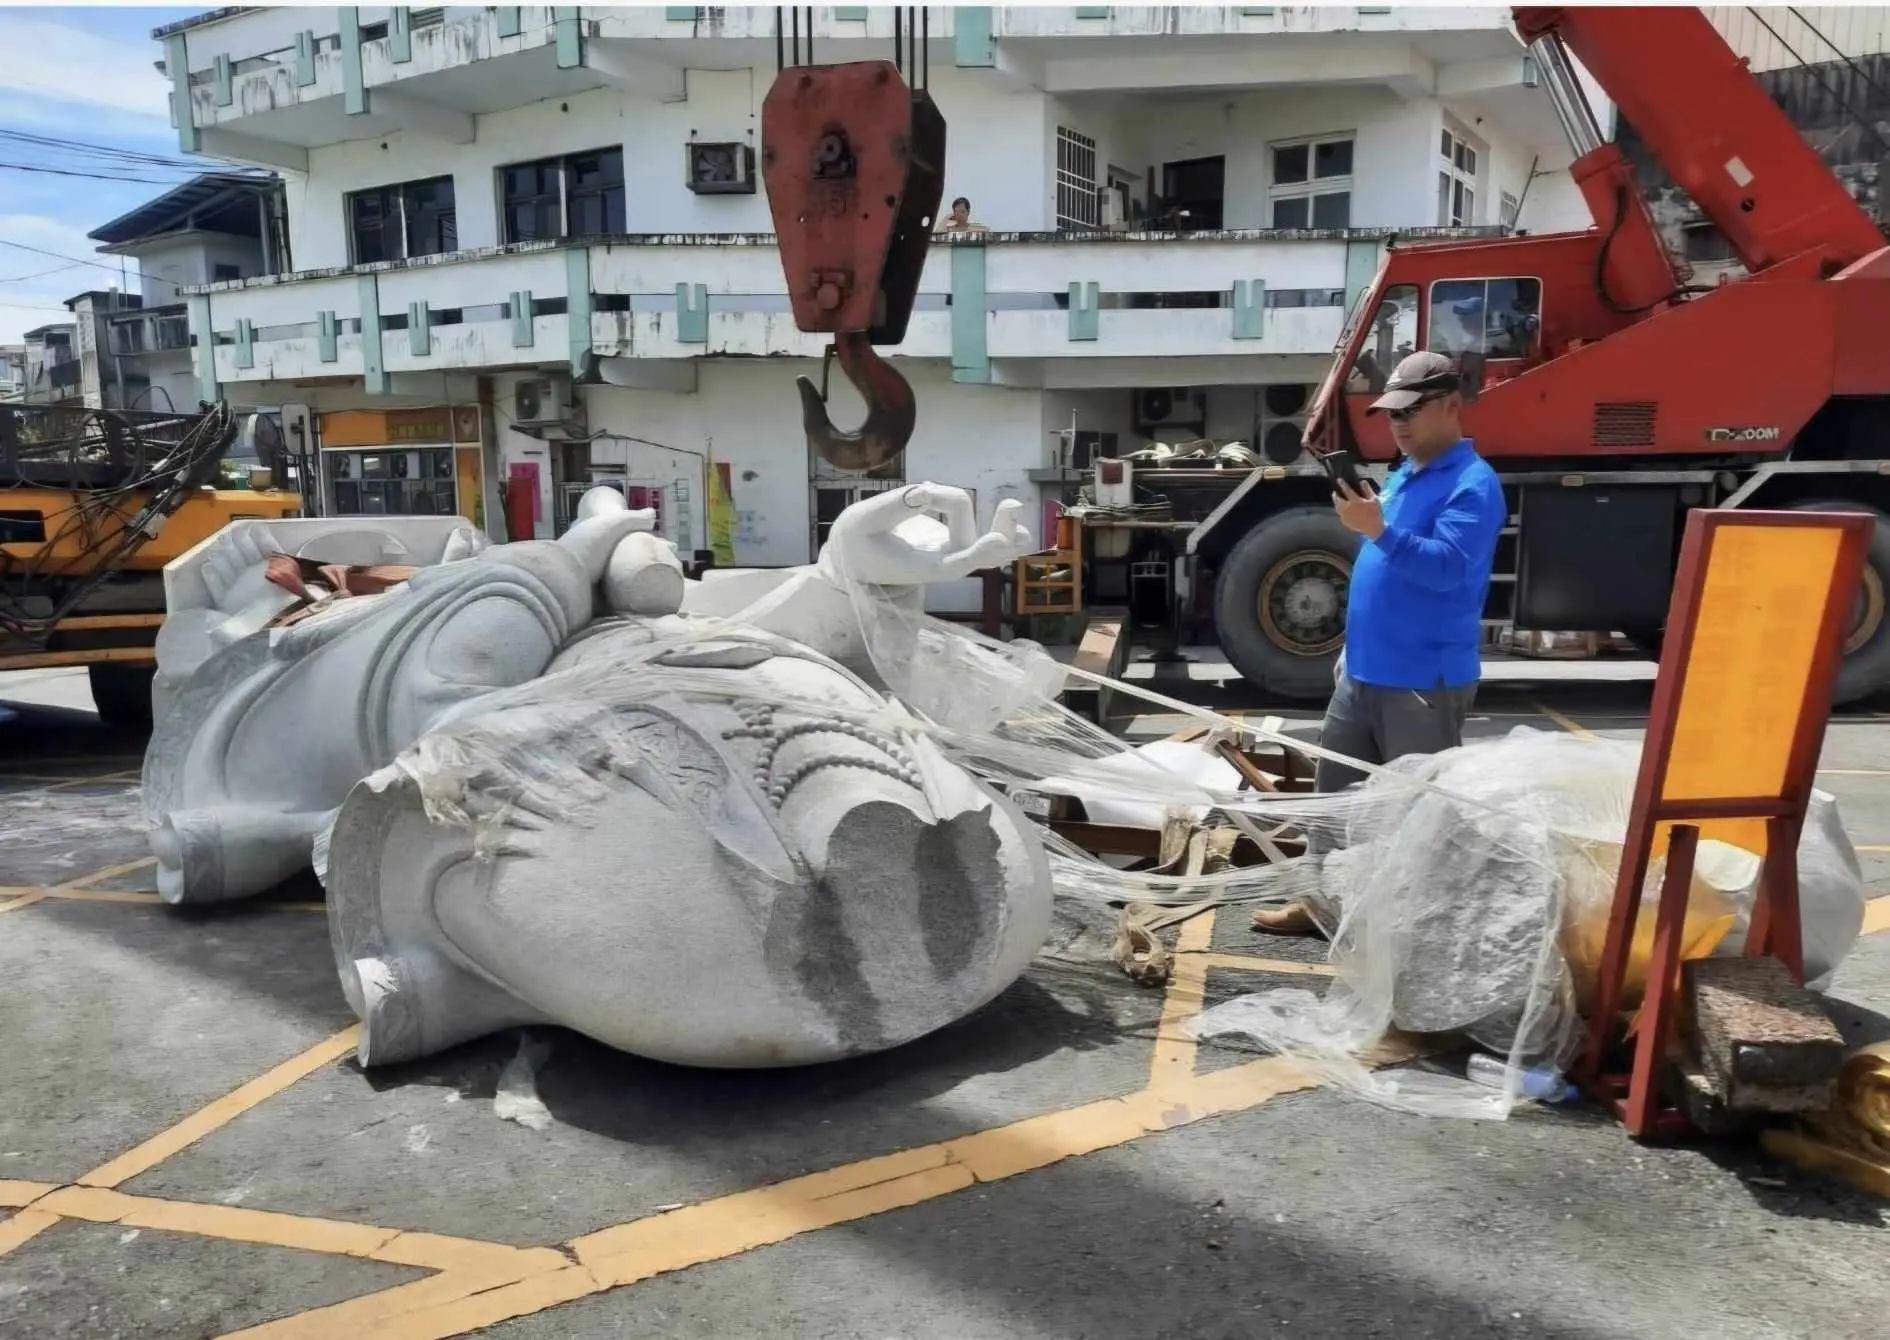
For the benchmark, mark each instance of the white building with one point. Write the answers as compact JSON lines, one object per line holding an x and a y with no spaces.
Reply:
{"x":498,"y":211}
{"x":135,"y":348}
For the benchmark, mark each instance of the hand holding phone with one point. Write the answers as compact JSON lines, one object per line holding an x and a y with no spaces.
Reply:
{"x":1342,"y":469}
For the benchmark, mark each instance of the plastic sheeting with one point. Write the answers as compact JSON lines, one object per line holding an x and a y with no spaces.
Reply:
{"x":1463,"y":889}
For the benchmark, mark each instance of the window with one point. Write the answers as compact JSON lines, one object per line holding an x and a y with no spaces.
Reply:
{"x":1312,"y":183}
{"x":1456,"y":181}
{"x":391,"y":223}
{"x":1077,"y":207}
{"x":222,"y":273}
{"x":1391,"y":336}
{"x":574,"y":196}
{"x":594,"y":193}
{"x":1509,"y":209}
{"x":1705,"y":244}
{"x":1497,"y":318}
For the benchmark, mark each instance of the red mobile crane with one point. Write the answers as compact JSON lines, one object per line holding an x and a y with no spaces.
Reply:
{"x":1610,"y":395}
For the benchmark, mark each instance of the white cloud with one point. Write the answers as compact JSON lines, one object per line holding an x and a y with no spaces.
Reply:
{"x":60,"y":64}
{"x":39,"y":301}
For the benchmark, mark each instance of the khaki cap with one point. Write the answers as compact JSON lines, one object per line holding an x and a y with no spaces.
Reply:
{"x":1418,"y":377}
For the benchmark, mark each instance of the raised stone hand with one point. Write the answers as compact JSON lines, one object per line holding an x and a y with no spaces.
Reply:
{"x":891,"y":539}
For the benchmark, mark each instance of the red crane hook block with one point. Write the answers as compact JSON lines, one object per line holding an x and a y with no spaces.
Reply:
{"x":854,"y":164}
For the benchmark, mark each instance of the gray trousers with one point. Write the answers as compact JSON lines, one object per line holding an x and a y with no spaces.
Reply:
{"x":1376,"y":725}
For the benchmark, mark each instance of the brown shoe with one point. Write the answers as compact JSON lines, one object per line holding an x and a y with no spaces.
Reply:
{"x":1294,"y":918}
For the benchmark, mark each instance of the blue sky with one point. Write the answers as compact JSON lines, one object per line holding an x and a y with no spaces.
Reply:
{"x":85,"y":74}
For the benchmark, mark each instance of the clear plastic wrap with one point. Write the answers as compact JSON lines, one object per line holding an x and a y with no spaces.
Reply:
{"x":1464,"y":890}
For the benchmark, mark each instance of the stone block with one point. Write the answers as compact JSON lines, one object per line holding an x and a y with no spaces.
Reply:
{"x":1764,"y":1042}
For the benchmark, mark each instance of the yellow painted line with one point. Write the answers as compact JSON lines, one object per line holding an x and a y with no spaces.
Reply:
{"x":15,"y":896}
{"x":482,"y":1283}
{"x":1175,"y":1047}
{"x":1569,"y":724}
{"x":731,"y":1225}
{"x":23,"y":1228}
{"x":1854,"y":772}
{"x":1876,"y":916}
{"x":17,"y":1195}
{"x":1871,"y":848}
{"x":185,"y":1133}
{"x":150,"y":898}
{"x":223,"y":1111}
{"x":1248,"y":963}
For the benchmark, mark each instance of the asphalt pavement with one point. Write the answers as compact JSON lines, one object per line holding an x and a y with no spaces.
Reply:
{"x":187,"y":1147}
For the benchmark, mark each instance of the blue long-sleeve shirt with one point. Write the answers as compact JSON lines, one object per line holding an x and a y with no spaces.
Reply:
{"x":1414,"y":615}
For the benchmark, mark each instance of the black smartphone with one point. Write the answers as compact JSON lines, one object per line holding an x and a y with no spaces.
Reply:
{"x":1342,"y":469}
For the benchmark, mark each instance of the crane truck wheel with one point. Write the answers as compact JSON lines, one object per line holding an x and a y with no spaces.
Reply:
{"x":1866,"y":667}
{"x":1279,"y":601}
{"x":121,"y":693}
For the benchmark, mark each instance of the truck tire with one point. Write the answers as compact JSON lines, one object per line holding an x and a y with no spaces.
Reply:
{"x":1279,"y":602}
{"x":121,"y":693}
{"x":1866,"y":667}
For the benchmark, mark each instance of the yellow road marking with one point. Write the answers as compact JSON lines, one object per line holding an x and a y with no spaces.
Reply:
{"x":1174,"y":1045}
{"x":15,"y":896}
{"x":1854,"y":772}
{"x":150,"y":898}
{"x":481,"y":1283}
{"x":18,"y":1195}
{"x":165,"y":1143}
{"x":1569,"y":724}
{"x":1870,"y":848}
{"x":731,"y":1225}
{"x":1248,"y":963}
{"x":223,"y":1111}
{"x":1876,"y":916}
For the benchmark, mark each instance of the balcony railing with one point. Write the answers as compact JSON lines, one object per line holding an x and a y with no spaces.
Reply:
{"x":158,"y":331}
{"x":980,"y":298}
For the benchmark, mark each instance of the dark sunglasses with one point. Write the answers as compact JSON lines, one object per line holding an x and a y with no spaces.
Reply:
{"x":1411,"y":411}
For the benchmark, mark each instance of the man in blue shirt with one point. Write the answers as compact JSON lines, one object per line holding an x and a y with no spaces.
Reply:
{"x":1413,"y":620}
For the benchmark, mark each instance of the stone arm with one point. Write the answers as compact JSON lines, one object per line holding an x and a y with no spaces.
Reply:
{"x":884,"y":549}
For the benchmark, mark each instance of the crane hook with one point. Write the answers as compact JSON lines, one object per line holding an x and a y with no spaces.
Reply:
{"x":891,"y":410}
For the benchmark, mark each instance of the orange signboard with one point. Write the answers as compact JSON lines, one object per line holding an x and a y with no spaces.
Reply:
{"x":1755,"y":633}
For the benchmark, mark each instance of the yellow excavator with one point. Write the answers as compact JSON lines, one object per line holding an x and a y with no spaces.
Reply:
{"x":93,"y":504}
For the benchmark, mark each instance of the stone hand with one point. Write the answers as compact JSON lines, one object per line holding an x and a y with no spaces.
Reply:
{"x":890,"y":539}
{"x":1359,"y":511}
{"x":240,"y":550}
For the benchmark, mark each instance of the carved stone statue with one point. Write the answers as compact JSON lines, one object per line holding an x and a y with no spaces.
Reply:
{"x":553,"y":781}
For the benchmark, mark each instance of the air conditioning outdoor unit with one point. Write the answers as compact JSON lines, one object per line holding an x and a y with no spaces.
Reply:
{"x":540,"y":402}
{"x":1282,"y":421}
{"x":1115,"y":207}
{"x":1162,"y":407}
{"x":721,"y":168}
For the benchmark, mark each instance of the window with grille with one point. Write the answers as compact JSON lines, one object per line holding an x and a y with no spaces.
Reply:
{"x":1077,"y":206}
{"x":391,"y":223}
{"x":574,"y":196}
{"x":1312,"y":183}
{"x":1511,"y":207}
{"x":1456,"y":180}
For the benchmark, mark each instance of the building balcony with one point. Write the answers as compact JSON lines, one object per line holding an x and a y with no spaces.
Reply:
{"x":1000,"y":307}
{"x":157,"y":330}
{"x":267,"y":85}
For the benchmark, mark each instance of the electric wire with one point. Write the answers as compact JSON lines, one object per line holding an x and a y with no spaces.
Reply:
{"x":125,"y":474}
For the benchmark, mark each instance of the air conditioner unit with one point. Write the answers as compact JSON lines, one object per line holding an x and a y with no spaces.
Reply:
{"x":722,"y":168}
{"x":1115,"y":207}
{"x":540,"y":402}
{"x":1282,"y":421}
{"x":1162,"y":407}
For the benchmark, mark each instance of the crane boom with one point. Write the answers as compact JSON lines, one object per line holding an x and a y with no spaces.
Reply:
{"x":1708,"y":121}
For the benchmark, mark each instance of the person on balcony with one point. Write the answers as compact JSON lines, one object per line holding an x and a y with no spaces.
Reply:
{"x":959,"y":220}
